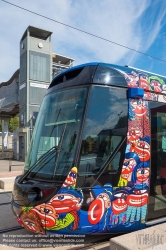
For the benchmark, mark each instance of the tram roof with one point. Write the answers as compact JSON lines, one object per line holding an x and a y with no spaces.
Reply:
{"x":104,"y":73}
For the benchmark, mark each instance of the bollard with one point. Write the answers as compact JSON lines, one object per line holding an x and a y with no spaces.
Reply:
{"x":10,"y":165}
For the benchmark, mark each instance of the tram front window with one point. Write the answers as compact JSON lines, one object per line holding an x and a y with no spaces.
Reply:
{"x":55,"y":135}
{"x":104,"y":132}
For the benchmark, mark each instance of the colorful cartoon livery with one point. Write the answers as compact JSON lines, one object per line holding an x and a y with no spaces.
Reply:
{"x":97,"y":159}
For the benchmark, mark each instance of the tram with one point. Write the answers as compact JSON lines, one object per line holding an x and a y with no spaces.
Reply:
{"x":97,"y":158}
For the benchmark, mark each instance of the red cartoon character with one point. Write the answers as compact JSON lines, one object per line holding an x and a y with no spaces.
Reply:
{"x":140,"y":109}
{"x":119,"y":204}
{"x":47,"y":214}
{"x":142,"y":149}
{"x":71,"y":178}
{"x":144,"y":82}
{"x":132,"y":79}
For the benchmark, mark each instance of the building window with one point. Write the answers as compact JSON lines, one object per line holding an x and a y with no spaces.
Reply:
{"x":39,"y":66}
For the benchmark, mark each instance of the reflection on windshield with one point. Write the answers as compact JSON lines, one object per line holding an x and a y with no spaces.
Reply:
{"x":105,"y":129}
{"x":58,"y":124}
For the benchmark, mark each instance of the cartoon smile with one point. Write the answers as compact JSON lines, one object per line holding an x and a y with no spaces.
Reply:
{"x":142,"y":149}
{"x":140,"y":111}
{"x":137,"y":200}
{"x":69,"y":182}
{"x":119,"y":206}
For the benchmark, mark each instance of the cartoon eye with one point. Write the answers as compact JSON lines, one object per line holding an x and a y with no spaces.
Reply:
{"x":126,"y":163}
{"x":60,"y":197}
{"x":104,"y":198}
{"x":101,"y":196}
{"x":143,"y":191}
{"x":72,"y":175}
{"x":42,"y":209}
{"x":28,"y":223}
{"x":140,"y":171}
{"x":137,"y":192}
{"x":123,"y":196}
{"x":47,"y":211}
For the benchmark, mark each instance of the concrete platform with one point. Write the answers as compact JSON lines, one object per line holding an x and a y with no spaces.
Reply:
{"x":7,"y":177}
{"x":146,"y":239}
{"x":7,"y":180}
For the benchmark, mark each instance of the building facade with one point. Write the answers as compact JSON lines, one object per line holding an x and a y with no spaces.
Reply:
{"x":38,"y":65}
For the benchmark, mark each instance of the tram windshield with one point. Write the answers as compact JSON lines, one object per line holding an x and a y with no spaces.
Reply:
{"x":55,"y":136}
{"x":104,"y":132}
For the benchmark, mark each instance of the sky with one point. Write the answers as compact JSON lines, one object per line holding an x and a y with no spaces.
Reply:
{"x":136,"y":24}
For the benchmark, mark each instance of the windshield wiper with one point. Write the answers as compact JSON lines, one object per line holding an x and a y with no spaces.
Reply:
{"x":59,"y":145}
{"x":42,"y":158}
{"x":54,"y":149}
{"x":58,"y":148}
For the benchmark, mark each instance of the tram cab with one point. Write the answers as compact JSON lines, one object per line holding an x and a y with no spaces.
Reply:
{"x":96,"y":162}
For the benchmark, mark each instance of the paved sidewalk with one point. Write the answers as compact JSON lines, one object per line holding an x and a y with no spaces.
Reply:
{"x":7,"y":177}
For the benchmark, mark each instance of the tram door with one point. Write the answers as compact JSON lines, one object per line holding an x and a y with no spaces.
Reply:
{"x":157,"y":196}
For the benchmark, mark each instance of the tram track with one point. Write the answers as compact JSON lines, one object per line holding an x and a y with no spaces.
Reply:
{"x":7,"y":196}
{"x":6,"y":230}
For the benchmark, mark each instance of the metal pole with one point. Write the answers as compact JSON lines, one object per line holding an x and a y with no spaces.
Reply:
{"x":10,"y":165}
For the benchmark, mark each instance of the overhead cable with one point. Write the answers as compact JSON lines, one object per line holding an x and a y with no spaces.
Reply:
{"x":85,"y":32}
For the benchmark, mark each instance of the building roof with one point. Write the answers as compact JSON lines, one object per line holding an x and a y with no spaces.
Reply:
{"x":36,"y":32}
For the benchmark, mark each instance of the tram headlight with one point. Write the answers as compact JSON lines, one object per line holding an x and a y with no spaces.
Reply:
{"x":35,"y":194}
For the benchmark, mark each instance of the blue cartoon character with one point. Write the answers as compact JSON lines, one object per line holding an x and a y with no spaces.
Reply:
{"x":137,"y":203}
{"x":71,"y":178}
{"x":100,"y":209}
{"x":67,"y":203}
{"x":130,"y":161}
{"x":141,"y":173}
{"x":119,"y":207}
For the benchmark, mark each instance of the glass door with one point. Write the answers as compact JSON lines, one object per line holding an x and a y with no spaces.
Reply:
{"x":157,"y":195}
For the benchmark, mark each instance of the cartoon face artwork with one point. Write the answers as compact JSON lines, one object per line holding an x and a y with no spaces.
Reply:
{"x":130,"y":161}
{"x":71,"y":178}
{"x":142,"y":149}
{"x":142,"y":174}
{"x":32,"y":222}
{"x":143,"y":82}
{"x":47,"y":214}
{"x":127,"y":168}
{"x":65,"y":202}
{"x":137,"y":205}
{"x":132,"y":79}
{"x":139,"y":108}
{"x":101,"y":204}
{"x":119,"y":205}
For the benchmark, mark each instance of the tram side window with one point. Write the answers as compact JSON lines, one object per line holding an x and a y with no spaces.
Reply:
{"x":105,"y":129}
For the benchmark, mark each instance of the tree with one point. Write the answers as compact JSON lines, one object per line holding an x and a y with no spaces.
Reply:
{"x":14,"y":123}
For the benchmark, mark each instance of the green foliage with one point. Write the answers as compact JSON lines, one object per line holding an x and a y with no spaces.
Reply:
{"x":14,"y":123}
